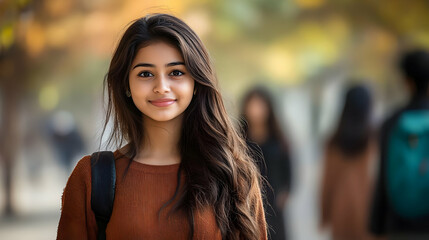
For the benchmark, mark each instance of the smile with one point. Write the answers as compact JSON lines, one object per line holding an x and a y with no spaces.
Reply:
{"x":162,"y":102}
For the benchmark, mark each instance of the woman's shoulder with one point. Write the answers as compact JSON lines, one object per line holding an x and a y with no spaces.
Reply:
{"x":82,"y":168}
{"x":120,"y":155}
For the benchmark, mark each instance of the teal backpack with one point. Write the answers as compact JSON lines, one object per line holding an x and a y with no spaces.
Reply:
{"x":408,"y":165}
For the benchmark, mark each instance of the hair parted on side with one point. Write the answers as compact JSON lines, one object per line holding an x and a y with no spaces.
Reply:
{"x":219,"y":171}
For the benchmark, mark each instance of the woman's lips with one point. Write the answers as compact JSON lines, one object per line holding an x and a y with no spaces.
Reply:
{"x":163,"y":102}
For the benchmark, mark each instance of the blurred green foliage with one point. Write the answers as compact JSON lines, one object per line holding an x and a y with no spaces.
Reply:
{"x":67,"y":44}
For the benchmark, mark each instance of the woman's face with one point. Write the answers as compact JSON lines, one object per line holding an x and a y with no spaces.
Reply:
{"x":256,"y":111}
{"x":161,"y":86}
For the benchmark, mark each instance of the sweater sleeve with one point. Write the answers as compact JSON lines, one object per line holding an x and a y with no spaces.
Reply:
{"x":77,"y":220}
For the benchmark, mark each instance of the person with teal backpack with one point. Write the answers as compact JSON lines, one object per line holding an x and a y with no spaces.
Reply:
{"x":408,"y":165}
{"x":400,"y":208}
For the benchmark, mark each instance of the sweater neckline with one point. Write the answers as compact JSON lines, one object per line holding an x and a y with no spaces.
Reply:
{"x":170,"y":168}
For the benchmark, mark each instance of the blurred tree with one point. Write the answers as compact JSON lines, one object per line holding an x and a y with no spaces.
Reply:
{"x":12,"y":61}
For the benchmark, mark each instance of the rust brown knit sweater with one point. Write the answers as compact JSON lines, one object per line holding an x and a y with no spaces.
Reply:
{"x":138,"y":198}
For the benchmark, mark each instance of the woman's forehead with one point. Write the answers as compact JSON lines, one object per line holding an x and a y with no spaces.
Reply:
{"x":159,"y":52}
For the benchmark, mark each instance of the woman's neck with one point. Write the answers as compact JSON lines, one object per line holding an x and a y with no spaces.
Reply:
{"x":258,"y":132}
{"x":160,"y":142}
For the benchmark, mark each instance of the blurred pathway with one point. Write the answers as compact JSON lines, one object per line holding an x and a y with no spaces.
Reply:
{"x":41,"y":226}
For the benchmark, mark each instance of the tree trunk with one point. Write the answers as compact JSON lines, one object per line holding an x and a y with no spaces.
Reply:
{"x":9,"y":128}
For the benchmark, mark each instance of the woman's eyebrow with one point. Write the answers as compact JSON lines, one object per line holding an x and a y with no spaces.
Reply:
{"x":174,"y":64}
{"x":143,"y":65}
{"x":152,"y":65}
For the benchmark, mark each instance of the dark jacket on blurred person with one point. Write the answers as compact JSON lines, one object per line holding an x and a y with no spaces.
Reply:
{"x":346,"y":182}
{"x":384,"y":220}
{"x":276,"y":170}
{"x":274,"y":164}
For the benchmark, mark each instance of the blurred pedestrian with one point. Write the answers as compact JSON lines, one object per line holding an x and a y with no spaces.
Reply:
{"x":400,"y":207}
{"x":262,"y":127}
{"x":346,"y":179}
{"x":65,"y":138}
{"x":184,"y":172}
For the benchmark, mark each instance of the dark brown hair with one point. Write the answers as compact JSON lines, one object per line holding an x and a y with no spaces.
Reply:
{"x":415,"y":67}
{"x":274,"y":129}
{"x":354,"y":128}
{"x":219,"y":171}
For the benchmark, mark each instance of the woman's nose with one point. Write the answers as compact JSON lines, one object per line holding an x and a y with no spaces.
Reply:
{"x":161,"y":85}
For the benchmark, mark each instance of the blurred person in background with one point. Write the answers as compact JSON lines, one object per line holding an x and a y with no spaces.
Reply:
{"x":65,"y":138}
{"x":346,"y":182}
{"x":400,"y":208}
{"x":261,"y":126}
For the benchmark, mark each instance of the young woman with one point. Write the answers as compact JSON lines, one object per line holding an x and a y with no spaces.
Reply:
{"x":346,"y":180}
{"x":184,"y":173}
{"x":263,"y":128}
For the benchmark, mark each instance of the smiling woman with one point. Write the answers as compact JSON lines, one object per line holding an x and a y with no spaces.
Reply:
{"x":160,"y":85}
{"x":184,"y":171}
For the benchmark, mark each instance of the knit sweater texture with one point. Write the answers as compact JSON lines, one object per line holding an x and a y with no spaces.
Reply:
{"x":139,"y":196}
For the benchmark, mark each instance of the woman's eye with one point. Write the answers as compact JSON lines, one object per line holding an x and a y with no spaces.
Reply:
{"x":176,"y":73}
{"x":145,"y":74}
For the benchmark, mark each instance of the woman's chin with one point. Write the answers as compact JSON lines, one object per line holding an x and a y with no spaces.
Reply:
{"x":163,"y":118}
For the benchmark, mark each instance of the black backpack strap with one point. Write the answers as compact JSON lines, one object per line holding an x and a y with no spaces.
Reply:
{"x":103,"y":178}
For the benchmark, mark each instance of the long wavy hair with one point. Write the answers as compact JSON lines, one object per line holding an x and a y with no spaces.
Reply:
{"x":218,"y":168}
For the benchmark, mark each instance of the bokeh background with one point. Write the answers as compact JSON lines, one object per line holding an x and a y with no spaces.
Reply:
{"x":54,"y":55}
